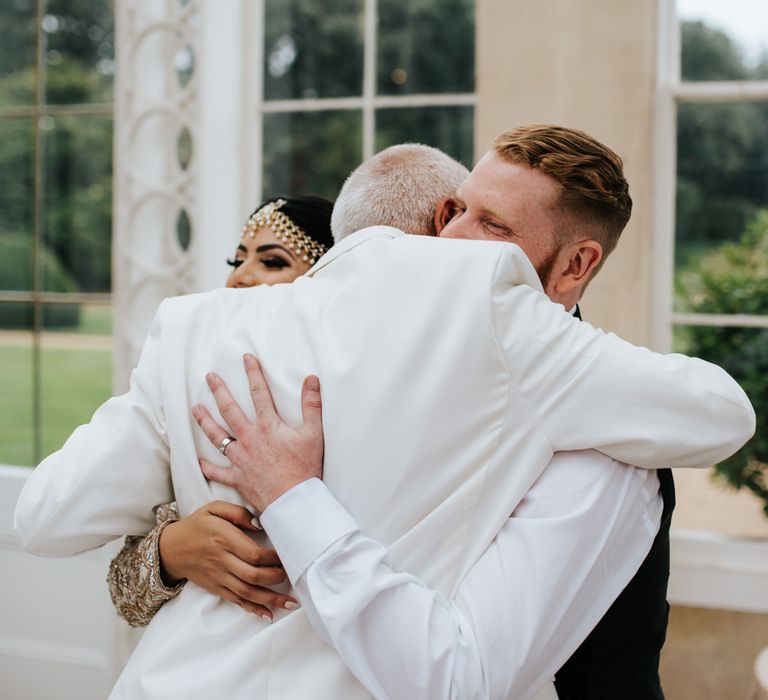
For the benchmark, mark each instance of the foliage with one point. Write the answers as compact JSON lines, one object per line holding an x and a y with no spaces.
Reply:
{"x":722,"y":147}
{"x":76,"y":155}
{"x":16,"y":273}
{"x":412,"y":55}
{"x":313,"y":48}
{"x":734,"y":280}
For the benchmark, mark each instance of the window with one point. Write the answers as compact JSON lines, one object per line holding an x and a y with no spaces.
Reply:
{"x":56,"y":67}
{"x":343,"y":79}
{"x":716,"y":300}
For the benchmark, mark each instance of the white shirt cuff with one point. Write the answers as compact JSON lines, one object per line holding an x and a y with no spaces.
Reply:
{"x":303,"y":523}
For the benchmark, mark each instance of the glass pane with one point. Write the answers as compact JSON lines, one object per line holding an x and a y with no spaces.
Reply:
{"x":426,"y":46}
{"x":78,"y":203}
{"x":79,"y":51}
{"x":310,"y":152}
{"x":722,"y":188}
{"x":313,"y":48}
{"x":76,"y":373}
{"x":447,"y":128}
{"x":17,"y":146}
{"x":723,"y":40}
{"x":16,"y":418}
{"x":17,"y":52}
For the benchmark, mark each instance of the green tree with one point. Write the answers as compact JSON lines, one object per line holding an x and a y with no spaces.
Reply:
{"x":734,"y":280}
{"x":76,"y":179}
{"x":722,"y":148}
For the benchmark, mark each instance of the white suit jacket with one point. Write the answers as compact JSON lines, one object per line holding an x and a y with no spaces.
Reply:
{"x":448,"y":380}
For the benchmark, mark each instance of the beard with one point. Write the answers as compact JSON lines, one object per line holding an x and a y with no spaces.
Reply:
{"x":545,"y":267}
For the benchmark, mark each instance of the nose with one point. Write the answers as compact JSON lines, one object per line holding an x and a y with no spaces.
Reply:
{"x":244,"y":276}
{"x":455,"y":228}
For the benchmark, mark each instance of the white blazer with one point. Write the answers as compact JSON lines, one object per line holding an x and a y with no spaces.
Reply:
{"x":448,"y":380}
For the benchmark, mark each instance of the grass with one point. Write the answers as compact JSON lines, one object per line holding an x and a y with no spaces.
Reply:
{"x":73,"y":383}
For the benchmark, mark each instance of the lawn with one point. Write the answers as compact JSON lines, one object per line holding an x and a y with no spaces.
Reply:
{"x":73,"y":383}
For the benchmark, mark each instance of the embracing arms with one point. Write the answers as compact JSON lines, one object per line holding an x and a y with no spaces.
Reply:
{"x":209,"y":548}
{"x":587,"y":389}
{"x":547,"y":578}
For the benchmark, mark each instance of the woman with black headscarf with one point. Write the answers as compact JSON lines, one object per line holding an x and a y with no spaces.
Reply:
{"x":281,"y":240}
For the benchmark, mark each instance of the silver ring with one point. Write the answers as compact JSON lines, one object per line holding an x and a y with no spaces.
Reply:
{"x":225,"y":443}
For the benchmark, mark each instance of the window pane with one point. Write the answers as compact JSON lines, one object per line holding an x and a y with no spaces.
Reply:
{"x":17,"y":52}
{"x":79,"y":51}
{"x":723,"y":40}
{"x":76,"y":370}
{"x":16,"y":203}
{"x":722,"y":190}
{"x":313,"y":48}
{"x":16,"y":419}
{"x":78,"y":203}
{"x":310,"y":152}
{"x":447,"y":128}
{"x":426,"y":46}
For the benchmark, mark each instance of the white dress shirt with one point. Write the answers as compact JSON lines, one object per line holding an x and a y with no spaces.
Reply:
{"x":572,"y":545}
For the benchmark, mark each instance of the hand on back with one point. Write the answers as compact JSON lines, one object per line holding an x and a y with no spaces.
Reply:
{"x":211,"y":549}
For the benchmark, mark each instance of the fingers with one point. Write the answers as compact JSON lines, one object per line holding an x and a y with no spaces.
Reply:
{"x":258,"y":595}
{"x":260,"y":393}
{"x":237,"y":515}
{"x":311,"y":404}
{"x":256,"y":575}
{"x":229,"y":476}
{"x":230,"y":411}
{"x":213,"y":431}
{"x":260,"y":610}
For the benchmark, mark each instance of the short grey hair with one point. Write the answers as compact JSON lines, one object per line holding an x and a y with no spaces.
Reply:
{"x":400,"y":186}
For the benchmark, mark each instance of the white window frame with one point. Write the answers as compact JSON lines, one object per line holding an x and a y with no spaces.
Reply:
{"x":670,"y":92}
{"x":368,"y":102}
{"x":708,"y":570}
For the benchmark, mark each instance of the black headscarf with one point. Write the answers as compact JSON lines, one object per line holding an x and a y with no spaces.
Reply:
{"x":312,"y":214}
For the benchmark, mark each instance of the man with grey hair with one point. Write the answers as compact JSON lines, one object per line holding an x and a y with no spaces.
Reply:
{"x":401,"y":187}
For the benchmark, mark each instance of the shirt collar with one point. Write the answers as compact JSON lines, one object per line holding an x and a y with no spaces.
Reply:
{"x":352,"y":241}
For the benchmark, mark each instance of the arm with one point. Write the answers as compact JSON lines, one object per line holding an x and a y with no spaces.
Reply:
{"x":121,"y":458}
{"x":535,"y":594}
{"x":135,"y":580}
{"x":524,"y":608}
{"x":589,"y":389}
{"x":208,"y":548}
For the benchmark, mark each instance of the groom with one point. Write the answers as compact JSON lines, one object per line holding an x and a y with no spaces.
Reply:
{"x":481,"y":378}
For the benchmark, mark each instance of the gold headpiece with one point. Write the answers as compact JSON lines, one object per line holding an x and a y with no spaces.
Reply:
{"x":286,"y":230}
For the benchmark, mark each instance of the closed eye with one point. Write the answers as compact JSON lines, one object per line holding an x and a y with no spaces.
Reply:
{"x":275,"y":262}
{"x":498,"y":228}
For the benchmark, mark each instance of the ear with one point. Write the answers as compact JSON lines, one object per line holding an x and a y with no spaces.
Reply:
{"x":578,"y":262}
{"x":444,"y":213}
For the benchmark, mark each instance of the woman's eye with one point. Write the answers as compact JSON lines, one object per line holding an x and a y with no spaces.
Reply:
{"x":235,"y":263}
{"x":274,"y":263}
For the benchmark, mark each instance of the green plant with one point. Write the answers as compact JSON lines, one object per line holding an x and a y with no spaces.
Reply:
{"x":16,"y":274}
{"x":734,"y":280}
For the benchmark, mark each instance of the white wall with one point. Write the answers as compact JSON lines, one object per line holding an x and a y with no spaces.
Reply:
{"x":59,"y":634}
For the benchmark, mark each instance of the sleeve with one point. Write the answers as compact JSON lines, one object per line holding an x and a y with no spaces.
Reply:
{"x":135,"y":581}
{"x":120,"y":458}
{"x":590,"y":389}
{"x":526,"y":605}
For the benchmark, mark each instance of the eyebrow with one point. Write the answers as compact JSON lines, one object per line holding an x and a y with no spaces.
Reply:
{"x":273,"y":246}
